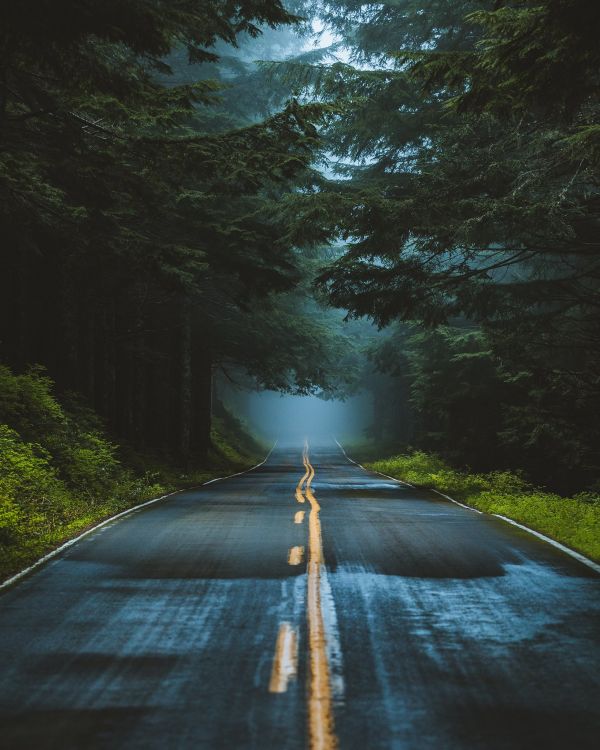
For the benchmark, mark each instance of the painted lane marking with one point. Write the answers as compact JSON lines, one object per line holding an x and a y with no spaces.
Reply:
{"x":55,"y":552}
{"x":567,"y":550}
{"x":299,"y":493}
{"x":295,"y":555}
{"x":321,"y":729}
{"x":406,"y":484}
{"x":581,"y":558}
{"x":452,"y":500}
{"x":299,"y":516}
{"x":285,"y":661}
{"x":237,"y":474}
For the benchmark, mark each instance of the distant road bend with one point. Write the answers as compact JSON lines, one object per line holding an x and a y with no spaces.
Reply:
{"x":304,"y":604}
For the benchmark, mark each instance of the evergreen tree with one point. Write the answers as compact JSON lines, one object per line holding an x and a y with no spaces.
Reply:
{"x":467,"y":147}
{"x":136,"y":232}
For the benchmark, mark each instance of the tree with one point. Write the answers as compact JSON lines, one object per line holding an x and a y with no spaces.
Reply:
{"x":469,"y":137}
{"x":129,"y":219}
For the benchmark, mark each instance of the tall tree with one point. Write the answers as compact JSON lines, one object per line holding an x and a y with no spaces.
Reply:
{"x":469,"y":137}
{"x":128,"y":218}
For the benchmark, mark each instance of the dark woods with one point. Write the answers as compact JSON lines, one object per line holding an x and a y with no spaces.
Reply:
{"x":160,"y":225}
{"x":139,"y":227}
{"x":473,"y":204}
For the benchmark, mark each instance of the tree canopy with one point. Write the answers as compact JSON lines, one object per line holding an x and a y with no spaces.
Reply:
{"x":467,"y":189}
{"x":141,"y":215}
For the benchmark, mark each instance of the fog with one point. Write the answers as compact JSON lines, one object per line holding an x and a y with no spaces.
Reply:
{"x":270,"y":414}
{"x":277,"y":416}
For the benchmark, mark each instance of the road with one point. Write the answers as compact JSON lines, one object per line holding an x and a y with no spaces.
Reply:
{"x":305,"y":604}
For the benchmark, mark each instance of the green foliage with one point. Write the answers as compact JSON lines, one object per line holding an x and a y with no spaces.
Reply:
{"x":478,"y":198}
{"x":60,"y":473}
{"x":484,"y":401}
{"x":540,"y":54}
{"x":306,"y":349}
{"x":574,"y":521}
{"x":27,"y":403}
{"x":142,"y":208}
{"x":468,"y":196}
{"x":453,"y":375}
{"x":31,"y":495}
{"x":71,"y":442}
{"x":91,"y":466}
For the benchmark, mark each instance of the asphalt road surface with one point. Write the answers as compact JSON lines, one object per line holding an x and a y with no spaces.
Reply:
{"x":305,"y":604}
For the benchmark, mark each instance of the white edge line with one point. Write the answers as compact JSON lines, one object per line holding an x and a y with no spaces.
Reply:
{"x":581,"y":558}
{"x":452,"y":500}
{"x":408,"y":484}
{"x":567,"y":550}
{"x":387,"y":476}
{"x":55,"y":552}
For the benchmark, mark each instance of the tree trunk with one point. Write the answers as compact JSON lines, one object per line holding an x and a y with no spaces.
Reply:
{"x":185,"y":380}
{"x":89,"y":347}
{"x":109,"y":364}
{"x":203,"y":401}
{"x":69,"y":328}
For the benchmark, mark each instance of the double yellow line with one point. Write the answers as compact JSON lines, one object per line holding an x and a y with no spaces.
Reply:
{"x":309,"y":474}
{"x":321,"y":728}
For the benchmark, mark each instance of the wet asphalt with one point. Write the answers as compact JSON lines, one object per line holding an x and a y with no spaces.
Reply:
{"x":445,"y":628}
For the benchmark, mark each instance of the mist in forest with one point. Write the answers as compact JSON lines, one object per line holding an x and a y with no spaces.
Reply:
{"x":279,"y":416}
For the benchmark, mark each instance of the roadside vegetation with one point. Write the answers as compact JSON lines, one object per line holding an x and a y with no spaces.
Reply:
{"x":60,"y":472}
{"x":573,"y":521}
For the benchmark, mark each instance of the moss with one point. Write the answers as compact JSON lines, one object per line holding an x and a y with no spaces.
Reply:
{"x":573,"y":521}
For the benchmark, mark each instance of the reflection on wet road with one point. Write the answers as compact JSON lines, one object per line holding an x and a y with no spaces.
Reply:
{"x":304,"y":604}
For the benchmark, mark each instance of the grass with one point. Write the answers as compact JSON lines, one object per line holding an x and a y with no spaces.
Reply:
{"x":572,"y":521}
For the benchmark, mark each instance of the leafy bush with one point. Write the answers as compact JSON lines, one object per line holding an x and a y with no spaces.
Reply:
{"x":573,"y":521}
{"x":27,"y":405}
{"x":31,"y":495}
{"x":429,"y":470}
{"x":71,"y":439}
{"x":58,"y":472}
{"x":91,"y":466}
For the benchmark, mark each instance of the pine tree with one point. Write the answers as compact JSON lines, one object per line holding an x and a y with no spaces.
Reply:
{"x":131,"y":224}
{"x":467,"y":140}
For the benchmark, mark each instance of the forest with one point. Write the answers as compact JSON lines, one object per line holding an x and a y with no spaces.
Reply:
{"x":399,"y":199}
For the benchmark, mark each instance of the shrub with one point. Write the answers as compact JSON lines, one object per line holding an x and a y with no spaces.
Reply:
{"x":69,"y":436}
{"x":58,"y":472}
{"x":31,"y":494}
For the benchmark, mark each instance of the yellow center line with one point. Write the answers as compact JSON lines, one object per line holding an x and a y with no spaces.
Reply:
{"x":285,"y":663}
{"x":299,"y":493}
{"x":321,"y":729}
{"x":295,"y":555}
{"x":299,"y":516}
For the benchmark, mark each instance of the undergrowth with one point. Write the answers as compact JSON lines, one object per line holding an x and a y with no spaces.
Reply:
{"x":60,"y":473}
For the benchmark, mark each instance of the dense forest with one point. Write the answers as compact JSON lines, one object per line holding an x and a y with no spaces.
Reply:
{"x":331,"y":197}
{"x":467,"y":194}
{"x":146,"y":239}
